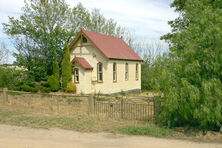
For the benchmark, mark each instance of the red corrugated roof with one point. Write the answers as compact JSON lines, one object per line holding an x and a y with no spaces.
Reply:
{"x":111,"y":47}
{"x":82,"y":62}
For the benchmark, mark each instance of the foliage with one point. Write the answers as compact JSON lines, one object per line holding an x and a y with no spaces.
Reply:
{"x":44,"y":27}
{"x":71,"y":87}
{"x":44,"y":89}
{"x":11,"y":78}
{"x":28,"y":88}
{"x":4,"y":53}
{"x":152,"y":52}
{"x":55,"y":68}
{"x":191,"y":80}
{"x":123,"y":93}
{"x":66,"y":68}
{"x":53,"y":83}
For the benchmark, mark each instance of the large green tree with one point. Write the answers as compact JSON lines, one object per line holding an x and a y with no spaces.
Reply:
{"x":45,"y":25}
{"x":192,"y":77}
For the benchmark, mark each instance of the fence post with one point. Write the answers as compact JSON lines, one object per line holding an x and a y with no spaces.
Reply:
{"x":5,"y":95}
{"x":91,"y":104}
{"x":155,"y":105}
{"x":121,"y":108}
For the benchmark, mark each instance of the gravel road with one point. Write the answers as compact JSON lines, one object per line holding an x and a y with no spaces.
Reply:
{"x":23,"y":137}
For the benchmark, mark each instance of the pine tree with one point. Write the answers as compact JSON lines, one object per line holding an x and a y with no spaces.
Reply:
{"x":66,"y":67}
{"x":56,"y":68}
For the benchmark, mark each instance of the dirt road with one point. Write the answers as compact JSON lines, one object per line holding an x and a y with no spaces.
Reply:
{"x":23,"y":137}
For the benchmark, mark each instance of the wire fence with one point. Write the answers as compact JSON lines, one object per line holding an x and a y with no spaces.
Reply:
{"x":116,"y":107}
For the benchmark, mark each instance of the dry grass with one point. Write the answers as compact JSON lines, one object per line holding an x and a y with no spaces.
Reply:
{"x":65,"y":104}
{"x":31,"y":117}
{"x":74,"y":121}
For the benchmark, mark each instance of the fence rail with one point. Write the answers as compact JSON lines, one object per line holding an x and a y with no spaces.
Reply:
{"x":125,"y":109}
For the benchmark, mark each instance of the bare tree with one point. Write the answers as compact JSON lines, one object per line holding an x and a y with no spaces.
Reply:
{"x":4,"y":53}
{"x":150,"y":50}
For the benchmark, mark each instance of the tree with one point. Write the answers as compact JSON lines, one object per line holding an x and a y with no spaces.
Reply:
{"x":192,"y":79}
{"x":56,"y":68}
{"x":151,"y":53}
{"x":66,"y":68}
{"x":4,"y":54}
{"x":45,"y":25}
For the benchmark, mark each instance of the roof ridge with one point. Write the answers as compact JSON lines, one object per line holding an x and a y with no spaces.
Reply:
{"x":102,"y":34}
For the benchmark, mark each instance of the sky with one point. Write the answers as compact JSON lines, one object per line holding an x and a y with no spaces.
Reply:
{"x":146,"y":18}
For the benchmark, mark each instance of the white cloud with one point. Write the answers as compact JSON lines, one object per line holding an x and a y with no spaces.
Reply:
{"x":148,"y":18}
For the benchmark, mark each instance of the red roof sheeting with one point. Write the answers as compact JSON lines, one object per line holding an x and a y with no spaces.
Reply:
{"x":82,"y":62}
{"x":111,"y":47}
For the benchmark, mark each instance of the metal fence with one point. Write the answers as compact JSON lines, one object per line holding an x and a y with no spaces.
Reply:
{"x":125,"y":109}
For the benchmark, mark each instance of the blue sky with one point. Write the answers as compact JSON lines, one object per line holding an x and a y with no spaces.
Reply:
{"x":146,"y":18}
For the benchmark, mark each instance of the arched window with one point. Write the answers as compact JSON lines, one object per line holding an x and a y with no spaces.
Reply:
{"x":76,"y":75}
{"x":137,"y":71}
{"x":100,"y":72}
{"x":126,"y":72}
{"x":114,"y":72}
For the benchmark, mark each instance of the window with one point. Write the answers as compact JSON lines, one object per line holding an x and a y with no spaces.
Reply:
{"x":114,"y":72}
{"x":76,"y":75}
{"x":84,"y":40}
{"x":137,"y":72}
{"x":126,"y":72}
{"x":100,"y":72}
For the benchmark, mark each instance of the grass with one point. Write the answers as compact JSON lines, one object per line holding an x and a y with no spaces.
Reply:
{"x":146,"y":130}
{"x":18,"y":116}
{"x":36,"y":118}
{"x":69,"y":101}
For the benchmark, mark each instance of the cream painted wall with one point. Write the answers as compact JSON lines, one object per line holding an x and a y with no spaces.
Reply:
{"x":93,"y":56}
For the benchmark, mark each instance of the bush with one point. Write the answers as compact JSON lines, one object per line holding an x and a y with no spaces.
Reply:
{"x":71,"y":87}
{"x":45,"y":89}
{"x":12,"y":78}
{"x":27,"y":88}
{"x":53,"y":83}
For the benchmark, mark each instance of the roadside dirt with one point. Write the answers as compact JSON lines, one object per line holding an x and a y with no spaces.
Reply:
{"x":23,"y":137}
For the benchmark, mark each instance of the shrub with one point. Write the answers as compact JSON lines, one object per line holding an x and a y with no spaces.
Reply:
{"x":27,"y":88}
{"x":53,"y":83}
{"x":71,"y":87}
{"x":11,"y":78}
{"x":45,"y":89}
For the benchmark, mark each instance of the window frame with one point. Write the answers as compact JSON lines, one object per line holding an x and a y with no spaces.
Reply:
{"x":98,"y":72}
{"x":126,"y":72}
{"x":115,"y":72}
{"x":75,"y":75}
{"x":137,"y":71}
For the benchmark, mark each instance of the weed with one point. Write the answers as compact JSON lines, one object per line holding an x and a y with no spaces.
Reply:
{"x":146,"y":130}
{"x":69,"y":101}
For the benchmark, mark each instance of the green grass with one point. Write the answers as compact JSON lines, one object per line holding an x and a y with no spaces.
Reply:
{"x":146,"y":130}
